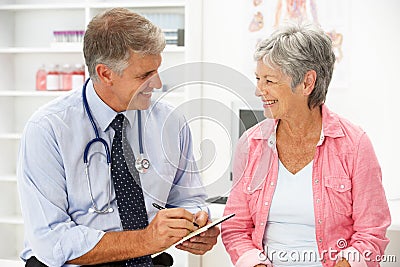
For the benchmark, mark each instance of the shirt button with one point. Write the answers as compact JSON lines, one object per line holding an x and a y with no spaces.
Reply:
{"x":316,"y":181}
{"x":319,"y":221}
{"x":342,"y":186}
{"x":272,"y":183}
{"x":318,"y":200}
{"x":262,"y":224}
{"x":320,"y":240}
{"x":266,"y":203}
{"x":249,"y":188}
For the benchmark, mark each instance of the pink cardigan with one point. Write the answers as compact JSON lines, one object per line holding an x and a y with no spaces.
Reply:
{"x":351,"y":211}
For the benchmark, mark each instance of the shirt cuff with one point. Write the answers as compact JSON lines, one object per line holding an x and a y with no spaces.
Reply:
{"x":253,"y":257}
{"x":353,"y":256}
{"x":68,"y":248}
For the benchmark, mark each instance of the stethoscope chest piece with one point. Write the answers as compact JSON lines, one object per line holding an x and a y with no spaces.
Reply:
{"x":141,"y":164}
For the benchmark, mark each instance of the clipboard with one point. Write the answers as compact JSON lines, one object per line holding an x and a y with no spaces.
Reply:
{"x":199,"y":231}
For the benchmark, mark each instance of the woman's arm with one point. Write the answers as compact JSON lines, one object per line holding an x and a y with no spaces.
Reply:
{"x":237,"y":232}
{"x":370,"y":209}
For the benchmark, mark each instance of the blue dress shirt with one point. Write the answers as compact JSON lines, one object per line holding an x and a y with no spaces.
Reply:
{"x":53,"y":187}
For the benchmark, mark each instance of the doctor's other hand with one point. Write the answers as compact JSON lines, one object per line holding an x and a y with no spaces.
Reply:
{"x":342,"y":263}
{"x":168,"y":227}
{"x":204,"y":242}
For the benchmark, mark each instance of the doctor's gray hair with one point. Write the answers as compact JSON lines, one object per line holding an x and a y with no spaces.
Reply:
{"x":113,"y":35}
{"x":295,"y":49}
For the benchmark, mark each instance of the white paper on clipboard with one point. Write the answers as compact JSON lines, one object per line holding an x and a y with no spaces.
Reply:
{"x":199,"y":231}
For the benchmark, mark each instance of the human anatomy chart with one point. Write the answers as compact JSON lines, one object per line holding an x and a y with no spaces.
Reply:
{"x":266,"y":15}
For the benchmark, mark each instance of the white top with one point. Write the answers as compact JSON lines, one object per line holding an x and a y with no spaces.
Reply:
{"x":289,"y":239}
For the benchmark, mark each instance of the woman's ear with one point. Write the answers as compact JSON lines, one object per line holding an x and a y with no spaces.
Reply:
{"x":104,"y":73}
{"x":309,"y":82}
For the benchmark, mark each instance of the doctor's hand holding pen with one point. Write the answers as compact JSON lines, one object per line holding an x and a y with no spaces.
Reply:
{"x":174,"y":224}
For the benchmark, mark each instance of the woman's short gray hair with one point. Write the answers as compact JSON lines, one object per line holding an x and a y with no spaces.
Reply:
{"x":113,"y":35}
{"x":295,"y":49}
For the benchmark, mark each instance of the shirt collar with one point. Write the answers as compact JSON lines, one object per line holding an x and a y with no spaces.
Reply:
{"x":330,"y":127}
{"x":101,"y":112}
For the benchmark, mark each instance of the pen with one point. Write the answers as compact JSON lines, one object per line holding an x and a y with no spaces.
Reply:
{"x":155,"y":205}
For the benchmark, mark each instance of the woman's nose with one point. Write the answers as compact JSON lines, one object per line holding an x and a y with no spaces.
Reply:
{"x":258,"y":92}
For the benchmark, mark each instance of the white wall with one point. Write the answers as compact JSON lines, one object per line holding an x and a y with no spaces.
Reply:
{"x":370,"y":97}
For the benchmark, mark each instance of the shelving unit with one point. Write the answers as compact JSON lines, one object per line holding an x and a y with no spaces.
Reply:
{"x":26,"y":36}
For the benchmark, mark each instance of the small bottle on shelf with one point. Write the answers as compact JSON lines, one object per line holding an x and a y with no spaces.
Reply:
{"x":53,"y":78}
{"x":41,"y":78}
{"x":78,"y":76}
{"x":66,"y":78}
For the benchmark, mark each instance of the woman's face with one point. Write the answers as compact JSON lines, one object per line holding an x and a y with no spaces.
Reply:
{"x":273,"y":87}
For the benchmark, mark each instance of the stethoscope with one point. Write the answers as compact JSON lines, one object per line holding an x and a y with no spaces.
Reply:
{"x":141,"y":163}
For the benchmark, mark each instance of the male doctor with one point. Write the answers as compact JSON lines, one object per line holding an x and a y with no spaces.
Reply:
{"x":107,"y":218}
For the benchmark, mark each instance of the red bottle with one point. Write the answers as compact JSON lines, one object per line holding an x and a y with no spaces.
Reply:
{"x":78,"y":76}
{"x":53,"y":78}
{"x":66,"y":78}
{"x":41,"y":78}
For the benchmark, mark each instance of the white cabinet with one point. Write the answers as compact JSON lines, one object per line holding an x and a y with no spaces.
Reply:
{"x":26,"y":37}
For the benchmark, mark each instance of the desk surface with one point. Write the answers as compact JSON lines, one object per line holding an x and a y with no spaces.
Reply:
{"x":394,"y":206}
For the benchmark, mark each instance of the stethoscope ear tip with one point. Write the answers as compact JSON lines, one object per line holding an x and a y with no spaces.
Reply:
{"x":91,"y":210}
{"x":110,"y":210}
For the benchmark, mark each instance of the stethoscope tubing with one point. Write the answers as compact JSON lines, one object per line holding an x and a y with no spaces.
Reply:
{"x":141,"y":164}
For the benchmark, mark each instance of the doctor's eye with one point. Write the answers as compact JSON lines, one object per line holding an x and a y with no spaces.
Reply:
{"x":143,"y":77}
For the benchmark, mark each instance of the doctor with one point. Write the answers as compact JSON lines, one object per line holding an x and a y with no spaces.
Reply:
{"x":67,"y":163}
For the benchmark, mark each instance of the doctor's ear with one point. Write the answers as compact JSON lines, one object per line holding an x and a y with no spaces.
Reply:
{"x":104,"y":73}
{"x":309,"y":82}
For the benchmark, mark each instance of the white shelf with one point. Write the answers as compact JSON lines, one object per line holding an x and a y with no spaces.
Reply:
{"x":12,"y":263}
{"x":8,"y":178}
{"x":10,"y":136}
{"x":32,"y":93}
{"x":137,"y":4}
{"x":95,"y":4}
{"x":41,"y":50}
{"x":68,"y":49}
{"x":13,"y":7}
{"x":11,"y":220}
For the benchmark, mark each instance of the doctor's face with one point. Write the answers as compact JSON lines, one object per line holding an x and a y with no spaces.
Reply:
{"x":133,"y":89}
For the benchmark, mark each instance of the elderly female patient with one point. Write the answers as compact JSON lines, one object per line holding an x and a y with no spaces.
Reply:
{"x":307,"y":185}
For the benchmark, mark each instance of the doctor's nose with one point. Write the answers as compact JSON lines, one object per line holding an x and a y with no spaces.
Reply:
{"x":155,"y":81}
